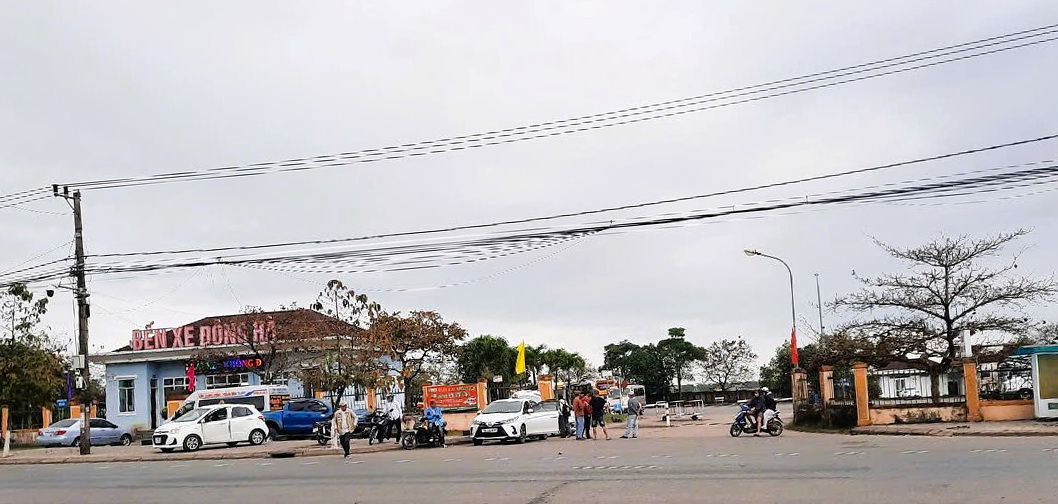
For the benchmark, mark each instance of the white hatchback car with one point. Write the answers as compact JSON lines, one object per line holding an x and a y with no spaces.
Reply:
{"x":514,"y":420}
{"x":221,"y":423}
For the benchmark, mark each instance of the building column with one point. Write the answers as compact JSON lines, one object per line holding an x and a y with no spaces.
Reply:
{"x":546,"y":386}
{"x":973,"y":391}
{"x":45,"y":415}
{"x":75,"y":411}
{"x":372,"y":399}
{"x":863,"y":409}
{"x":483,"y":394}
{"x":3,"y":421}
{"x":826,"y":384}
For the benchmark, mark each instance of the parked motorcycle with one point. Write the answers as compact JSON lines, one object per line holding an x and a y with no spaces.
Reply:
{"x":377,"y":423}
{"x":421,"y":435}
{"x":323,"y":433}
{"x":744,"y":423}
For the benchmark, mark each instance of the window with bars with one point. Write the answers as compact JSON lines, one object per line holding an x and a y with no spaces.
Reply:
{"x":126,"y":395}
{"x":176,"y":384}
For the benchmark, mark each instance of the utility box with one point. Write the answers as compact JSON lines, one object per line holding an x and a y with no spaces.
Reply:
{"x":1044,"y":378}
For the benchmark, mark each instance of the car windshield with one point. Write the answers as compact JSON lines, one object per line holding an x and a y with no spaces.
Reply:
{"x":69,"y":422}
{"x":504,"y":407}
{"x":194,"y":415}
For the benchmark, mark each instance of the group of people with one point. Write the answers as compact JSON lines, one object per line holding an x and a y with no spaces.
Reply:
{"x":760,"y":407}
{"x":589,"y":410}
{"x":343,"y":425}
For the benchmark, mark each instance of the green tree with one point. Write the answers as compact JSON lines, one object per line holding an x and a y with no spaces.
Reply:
{"x":679,"y":357}
{"x":32,"y":372}
{"x":642,"y":365}
{"x":485,"y":357}
{"x":776,"y":374}
{"x":410,"y":343}
{"x":564,"y":365}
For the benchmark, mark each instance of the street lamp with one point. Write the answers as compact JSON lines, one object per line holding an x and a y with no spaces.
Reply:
{"x":793,"y":310}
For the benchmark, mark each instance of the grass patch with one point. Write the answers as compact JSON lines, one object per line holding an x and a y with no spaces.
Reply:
{"x":815,"y":429}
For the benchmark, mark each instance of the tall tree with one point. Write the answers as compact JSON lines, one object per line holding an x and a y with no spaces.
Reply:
{"x":31,"y":369}
{"x":776,"y":374}
{"x":640,"y":364}
{"x":345,"y":363}
{"x":486,"y":357}
{"x":679,"y":357}
{"x":409,"y":344}
{"x":564,"y":365}
{"x":917,"y":317}
{"x":728,"y":361}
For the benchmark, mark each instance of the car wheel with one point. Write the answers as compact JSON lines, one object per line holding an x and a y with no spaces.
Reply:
{"x":76,"y":442}
{"x":736,"y":430}
{"x":167,"y":450}
{"x":257,"y":437}
{"x":521,"y":435}
{"x":126,"y":440}
{"x":273,"y":433}
{"x":478,"y":442}
{"x":192,"y":443}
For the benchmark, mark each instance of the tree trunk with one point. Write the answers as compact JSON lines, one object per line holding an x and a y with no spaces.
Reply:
{"x":934,"y":385}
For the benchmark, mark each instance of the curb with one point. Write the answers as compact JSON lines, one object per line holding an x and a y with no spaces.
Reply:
{"x":950,"y":433}
{"x":279,"y":453}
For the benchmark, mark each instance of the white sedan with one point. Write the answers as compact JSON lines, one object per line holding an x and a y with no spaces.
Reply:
{"x":231,"y":424}
{"x":514,"y":420}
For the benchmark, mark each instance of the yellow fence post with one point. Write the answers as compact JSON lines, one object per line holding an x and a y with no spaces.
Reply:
{"x":863,"y":408}
{"x":973,"y":391}
{"x":45,"y":415}
{"x":546,"y":386}
{"x":826,"y":384}
{"x":483,"y":393}
{"x":3,"y":421}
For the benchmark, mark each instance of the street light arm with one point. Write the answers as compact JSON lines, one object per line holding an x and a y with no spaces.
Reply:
{"x":793,"y":306}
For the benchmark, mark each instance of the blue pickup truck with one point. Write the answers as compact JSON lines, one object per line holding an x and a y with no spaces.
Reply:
{"x":297,"y":418}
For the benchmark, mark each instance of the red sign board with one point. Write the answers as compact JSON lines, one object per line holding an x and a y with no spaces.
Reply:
{"x":450,"y":397}
{"x":261,"y":331}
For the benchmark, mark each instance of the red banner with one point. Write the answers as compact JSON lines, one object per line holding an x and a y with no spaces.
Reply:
{"x":449,"y":397}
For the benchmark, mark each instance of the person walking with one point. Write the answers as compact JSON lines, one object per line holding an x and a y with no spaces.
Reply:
{"x":563,"y":417}
{"x":635,"y":409}
{"x":395,"y":413}
{"x":578,"y":413}
{"x":598,"y":406}
{"x":342,"y":425}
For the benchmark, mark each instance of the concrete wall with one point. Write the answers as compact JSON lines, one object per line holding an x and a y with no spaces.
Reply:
{"x":926,"y":414}
{"x":139,"y":372}
{"x":999,"y":411}
{"x":458,"y":422}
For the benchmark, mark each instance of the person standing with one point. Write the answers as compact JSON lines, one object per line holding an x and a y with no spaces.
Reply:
{"x":587,"y":414}
{"x":635,"y":409}
{"x":395,"y":413}
{"x":342,"y":425}
{"x":578,"y":413}
{"x":563,"y":417}
{"x":598,"y":406}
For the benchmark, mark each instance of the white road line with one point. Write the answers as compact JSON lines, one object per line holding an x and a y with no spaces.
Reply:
{"x":221,"y":465}
{"x":263,"y":464}
{"x":453,"y":460}
{"x":177,"y":465}
{"x":849,"y":453}
{"x":490,"y":459}
{"x":310,"y":463}
{"x":915,"y":452}
{"x":505,"y":458}
{"x":405,"y":461}
{"x":354,"y":462}
{"x":100,"y":468}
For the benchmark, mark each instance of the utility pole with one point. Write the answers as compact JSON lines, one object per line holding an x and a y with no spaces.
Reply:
{"x":819,"y":303}
{"x":83,"y":312}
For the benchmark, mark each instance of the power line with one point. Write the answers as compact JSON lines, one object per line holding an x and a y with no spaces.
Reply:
{"x":582,"y":213}
{"x":630,"y":115}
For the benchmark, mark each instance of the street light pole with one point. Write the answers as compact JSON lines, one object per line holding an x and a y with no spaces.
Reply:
{"x":819,"y":304}
{"x":793,"y":307}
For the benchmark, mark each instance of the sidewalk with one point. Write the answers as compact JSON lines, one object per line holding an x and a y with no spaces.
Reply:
{"x":138,"y":453}
{"x":1015,"y":428}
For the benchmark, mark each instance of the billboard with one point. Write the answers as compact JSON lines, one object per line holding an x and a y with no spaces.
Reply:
{"x":462,"y":396}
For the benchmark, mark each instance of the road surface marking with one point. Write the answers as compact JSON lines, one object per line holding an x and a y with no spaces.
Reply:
{"x":848,"y":453}
{"x":787,"y":454}
{"x":1050,"y":449}
{"x":262,"y":464}
{"x":605,"y":457}
{"x":915,"y":452}
{"x":310,"y":463}
{"x":505,"y":458}
{"x":221,"y":465}
{"x":405,"y":461}
{"x":989,"y":451}
{"x":100,"y":468}
{"x":354,"y":462}
{"x":177,"y":465}
{"x":453,"y":460}
{"x":490,"y":459}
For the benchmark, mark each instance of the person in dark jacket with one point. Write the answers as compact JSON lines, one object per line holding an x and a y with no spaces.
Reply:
{"x":755,"y":406}
{"x":767,"y":404}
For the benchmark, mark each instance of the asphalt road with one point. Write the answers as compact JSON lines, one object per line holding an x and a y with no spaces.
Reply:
{"x":795,"y":468}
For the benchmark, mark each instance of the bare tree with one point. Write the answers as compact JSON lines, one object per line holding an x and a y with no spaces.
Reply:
{"x":727,"y":362}
{"x":917,"y":317}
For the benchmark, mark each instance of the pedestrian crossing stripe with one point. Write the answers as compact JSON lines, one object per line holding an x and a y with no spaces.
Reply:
{"x":849,"y":453}
{"x":989,"y":451}
{"x":614,"y":467}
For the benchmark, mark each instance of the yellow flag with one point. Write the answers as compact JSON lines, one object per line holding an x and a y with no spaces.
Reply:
{"x":519,"y":365}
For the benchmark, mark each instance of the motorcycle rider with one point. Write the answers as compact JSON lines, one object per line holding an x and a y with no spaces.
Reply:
{"x":767,"y":408}
{"x":435,"y":418}
{"x":755,"y":406}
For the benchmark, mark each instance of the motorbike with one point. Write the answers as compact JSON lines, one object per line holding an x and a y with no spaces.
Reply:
{"x":421,"y":434}
{"x":323,"y":432}
{"x":377,"y":423}
{"x":744,"y":424}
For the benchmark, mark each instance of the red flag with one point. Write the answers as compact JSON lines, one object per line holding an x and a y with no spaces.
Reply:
{"x":190,"y":376}
{"x":793,"y":348}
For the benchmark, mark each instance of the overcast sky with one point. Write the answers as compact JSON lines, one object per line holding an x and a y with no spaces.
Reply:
{"x":105,"y":89}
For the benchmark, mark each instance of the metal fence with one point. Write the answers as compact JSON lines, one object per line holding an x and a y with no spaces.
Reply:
{"x":844,"y":388}
{"x":912,"y":387}
{"x":498,"y":392}
{"x":1009,"y":379}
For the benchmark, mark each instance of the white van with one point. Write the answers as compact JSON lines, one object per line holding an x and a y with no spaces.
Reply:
{"x":262,"y":397}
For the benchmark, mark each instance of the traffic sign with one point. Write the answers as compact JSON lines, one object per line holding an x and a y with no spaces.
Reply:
{"x":61,"y":403}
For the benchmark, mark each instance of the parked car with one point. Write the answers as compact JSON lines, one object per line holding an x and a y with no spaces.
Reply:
{"x":552,"y":405}
{"x":513,"y":420}
{"x":298,"y":418}
{"x":68,"y":433}
{"x":222,"y":423}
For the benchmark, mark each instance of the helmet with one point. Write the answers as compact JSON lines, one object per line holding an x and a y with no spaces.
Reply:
{"x":764,"y":390}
